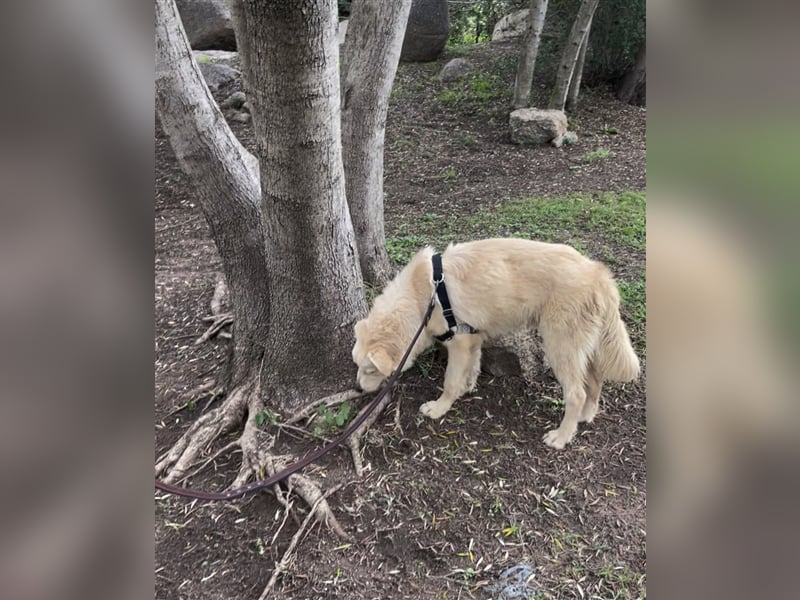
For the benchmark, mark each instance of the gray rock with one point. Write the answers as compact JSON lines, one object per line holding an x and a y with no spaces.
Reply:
{"x":515,"y":583}
{"x":455,"y":69}
{"x":218,"y":75}
{"x":241,"y":117}
{"x":570,"y":138}
{"x":535,"y":126}
{"x":519,"y":353}
{"x":247,"y":107}
{"x":235,"y":100}
{"x":426,"y":32}
{"x":499,"y":361}
{"x":511,"y":26}
{"x":207,"y":24}
{"x":342,"y":32}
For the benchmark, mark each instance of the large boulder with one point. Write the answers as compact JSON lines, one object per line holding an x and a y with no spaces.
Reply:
{"x":207,"y":24}
{"x":538,"y":126}
{"x":511,"y":26}
{"x":426,"y":32}
{"x":218,"y":68}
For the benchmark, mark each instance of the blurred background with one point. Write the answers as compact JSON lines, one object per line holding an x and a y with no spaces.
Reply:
{"x":76,"y":296}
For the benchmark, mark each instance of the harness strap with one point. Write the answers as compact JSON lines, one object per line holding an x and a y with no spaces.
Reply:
{"x":447,"y":310}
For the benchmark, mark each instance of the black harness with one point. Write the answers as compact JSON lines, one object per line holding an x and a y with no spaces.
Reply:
{"x":441,"y":294}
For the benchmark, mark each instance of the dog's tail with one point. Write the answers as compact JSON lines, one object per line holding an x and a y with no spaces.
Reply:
{"x":614,"y":357}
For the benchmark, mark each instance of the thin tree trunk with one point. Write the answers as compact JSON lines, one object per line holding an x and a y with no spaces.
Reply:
{"x":316,"y":293}
{"x":530,"y":50}
{"x":577,"y":74}
{"x":626,"y":90}
{"x":369,"y":62}
{"x":569,"y":57}
{"x":226,"y":183}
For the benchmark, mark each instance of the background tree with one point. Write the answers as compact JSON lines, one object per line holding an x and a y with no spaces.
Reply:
{"x":577,"y":74}
{"x":369,"y":62}
{"x":630,"y":86}
{"x":280,"y":220}
{"x":569,"y":56}
{"x":527,"y":57}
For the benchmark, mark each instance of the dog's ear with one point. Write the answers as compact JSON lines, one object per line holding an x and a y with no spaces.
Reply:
{"x":382,"y":361}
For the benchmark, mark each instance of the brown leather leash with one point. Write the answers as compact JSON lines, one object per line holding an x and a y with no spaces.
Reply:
{"x":316,"y":454}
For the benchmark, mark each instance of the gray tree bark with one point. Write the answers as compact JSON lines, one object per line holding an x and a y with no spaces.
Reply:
{"x":370,"y":56}
{"x":530,"y":50}
{"x":577,"y":74}
{"x":315,"y":292}
{"x":569,"y":56}
{"x":629,"y":84}
{"x":226,"y":182}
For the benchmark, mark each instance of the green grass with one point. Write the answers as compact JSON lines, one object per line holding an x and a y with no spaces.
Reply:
{"x":595,"y":155}
{"x":618,"y":220}
{"x":475,"y":92}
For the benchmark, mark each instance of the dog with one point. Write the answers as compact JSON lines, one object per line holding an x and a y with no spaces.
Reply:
{"x":494,"y":287}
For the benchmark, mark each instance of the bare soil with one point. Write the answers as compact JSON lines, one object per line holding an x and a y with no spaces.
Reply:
{"x":445,"y":507}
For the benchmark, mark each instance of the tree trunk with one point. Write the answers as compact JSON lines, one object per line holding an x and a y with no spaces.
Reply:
{"x":316,"y":294}
{"x":569,"y":57}
{"x":530,"y":50}
{"x":633,"y":79}
{"x":226,"y":184}
{"x":577,"y":74}
{"x":369,"y":63}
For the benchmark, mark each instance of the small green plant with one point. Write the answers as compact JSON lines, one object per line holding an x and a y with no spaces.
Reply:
{"x":449,"y":174}
{"x":449,"y":97}
{"x":610,"y":130}
{"x":599,"y":154}
{"x":402,"y":249}
{"x":333,"y":420}
{"x":203,"y":59}
{"x":265,"y":417}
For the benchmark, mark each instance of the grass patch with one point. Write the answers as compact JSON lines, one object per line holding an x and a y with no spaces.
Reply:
{"x":618,"y":220}
{"x":595,"y":155}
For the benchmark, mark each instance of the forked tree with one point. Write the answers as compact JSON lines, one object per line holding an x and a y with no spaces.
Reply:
{"x":571,"y":54}
{"x":280,"y":219}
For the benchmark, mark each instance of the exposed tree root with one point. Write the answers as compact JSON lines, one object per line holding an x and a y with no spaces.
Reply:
{"x":355,"y":440}
{"x":333,"y":400}
{"x":256,"y":446}
{"x":283,"y":564}
{"x":175,"y":463}
{"x":217,"y":323}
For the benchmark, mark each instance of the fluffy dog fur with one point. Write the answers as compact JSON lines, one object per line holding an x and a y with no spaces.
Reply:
{"x":498,"y":286}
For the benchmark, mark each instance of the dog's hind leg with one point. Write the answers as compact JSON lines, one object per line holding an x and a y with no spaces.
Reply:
{"x":594,"y":383}
{"x":565,"y":345}
{"x":463,"y":366}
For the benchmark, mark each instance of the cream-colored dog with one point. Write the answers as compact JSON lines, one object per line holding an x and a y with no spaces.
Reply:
{"x":498,"y":286}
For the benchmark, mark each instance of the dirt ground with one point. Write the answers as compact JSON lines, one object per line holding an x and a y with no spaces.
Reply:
{"x":445,"y":507}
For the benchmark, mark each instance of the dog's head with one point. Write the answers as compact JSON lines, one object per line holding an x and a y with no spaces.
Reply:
{"x":376,"y":354}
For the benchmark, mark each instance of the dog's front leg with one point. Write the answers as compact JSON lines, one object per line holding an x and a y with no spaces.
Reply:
{"x":463,"y":366}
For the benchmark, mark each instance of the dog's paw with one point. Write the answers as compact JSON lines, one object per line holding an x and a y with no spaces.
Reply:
{"x":432,"y":410}
{"x":555,"y":439}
